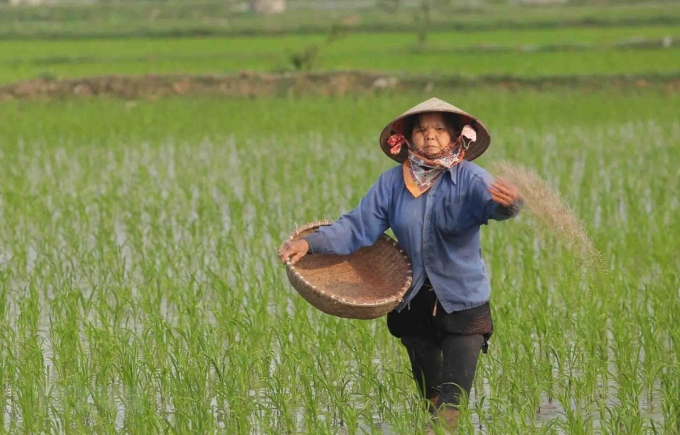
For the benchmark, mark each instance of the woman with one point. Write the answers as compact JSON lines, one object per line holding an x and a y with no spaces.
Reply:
{"x":435,"y":203}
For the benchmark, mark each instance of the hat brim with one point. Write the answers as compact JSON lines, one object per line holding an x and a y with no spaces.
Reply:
{"x":476,"y":148}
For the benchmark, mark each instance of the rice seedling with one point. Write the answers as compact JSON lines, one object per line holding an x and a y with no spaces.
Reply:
{"x":157,"y":19}
{"x":140,"y":290}
{"x":135,"y":48}
{"x":531,"y":64}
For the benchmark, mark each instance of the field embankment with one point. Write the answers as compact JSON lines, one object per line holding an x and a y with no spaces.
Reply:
{"x":319,"y":84}
{"x":139,"y":274}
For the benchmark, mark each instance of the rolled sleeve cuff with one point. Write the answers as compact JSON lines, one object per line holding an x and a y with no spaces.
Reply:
{"x":513,"y":209}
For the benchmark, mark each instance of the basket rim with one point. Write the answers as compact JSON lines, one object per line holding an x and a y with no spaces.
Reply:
{"x":397,"y":297}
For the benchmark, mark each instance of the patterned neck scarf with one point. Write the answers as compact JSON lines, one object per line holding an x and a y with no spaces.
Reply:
{"x":422,"y":171}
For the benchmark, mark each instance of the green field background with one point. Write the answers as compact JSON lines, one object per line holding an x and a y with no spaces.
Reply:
{"x":527,"y":42}
{"x":140,"y":290}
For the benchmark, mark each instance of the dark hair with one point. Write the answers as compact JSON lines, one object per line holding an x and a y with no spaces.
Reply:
{"x":452,"y":121}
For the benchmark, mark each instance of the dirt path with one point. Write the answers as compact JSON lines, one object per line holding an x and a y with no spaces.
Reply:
{"x":248,"y":84}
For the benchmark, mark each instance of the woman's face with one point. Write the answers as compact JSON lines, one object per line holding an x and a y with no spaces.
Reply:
{"x":430,"y":136}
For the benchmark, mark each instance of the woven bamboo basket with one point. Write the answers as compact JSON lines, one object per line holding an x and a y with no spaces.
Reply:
{"x":366,"y":284}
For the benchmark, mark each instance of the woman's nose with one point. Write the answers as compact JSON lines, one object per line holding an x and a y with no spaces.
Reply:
{"x":430,"y":133}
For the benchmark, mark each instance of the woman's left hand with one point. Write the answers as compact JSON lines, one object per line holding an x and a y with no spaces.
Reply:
{"x":504,"y":192}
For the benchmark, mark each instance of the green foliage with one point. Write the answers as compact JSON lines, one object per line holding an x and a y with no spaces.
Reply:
{"x":181,"y":19}
{"x":140,"y":290}
{"x":545,"y":52}
{"x":307,"y":58}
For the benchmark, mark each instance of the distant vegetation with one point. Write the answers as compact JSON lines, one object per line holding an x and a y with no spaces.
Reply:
{"x":529,"y":53}
{"x":174,"y":19}
{"x":140,"y":290}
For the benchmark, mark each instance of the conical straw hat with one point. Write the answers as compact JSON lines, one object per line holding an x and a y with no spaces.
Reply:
{"x":475,"y":149}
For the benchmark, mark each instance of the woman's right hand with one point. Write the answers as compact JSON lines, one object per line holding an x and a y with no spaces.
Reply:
{"x":293,"y":250}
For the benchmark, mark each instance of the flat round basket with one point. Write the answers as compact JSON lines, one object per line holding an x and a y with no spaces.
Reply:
{"x":366,"y":284}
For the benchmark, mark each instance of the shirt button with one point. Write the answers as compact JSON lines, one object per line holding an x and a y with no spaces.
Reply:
{"x":427,"y":216}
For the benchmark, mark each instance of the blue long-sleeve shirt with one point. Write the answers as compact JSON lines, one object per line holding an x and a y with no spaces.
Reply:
{"x":439,"y":231}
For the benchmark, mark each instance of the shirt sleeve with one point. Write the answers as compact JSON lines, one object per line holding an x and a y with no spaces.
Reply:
{"x":486,"y":208}
{"x":359,"y":228}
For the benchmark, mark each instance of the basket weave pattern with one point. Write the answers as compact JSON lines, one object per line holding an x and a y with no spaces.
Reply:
{"x":366,"y":284}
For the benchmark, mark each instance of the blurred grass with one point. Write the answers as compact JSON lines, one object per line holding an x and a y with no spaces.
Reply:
{"x":540,"y":41}
{"x":22,"y":60}
{"x":111,"y":121}
{"x":216,"y":18}
{"x":139,"y":275}
{"x":395,"y":42}
{"x":137,"y":262}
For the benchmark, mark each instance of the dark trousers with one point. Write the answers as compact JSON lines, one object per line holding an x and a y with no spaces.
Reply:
{"x":443,"y":348}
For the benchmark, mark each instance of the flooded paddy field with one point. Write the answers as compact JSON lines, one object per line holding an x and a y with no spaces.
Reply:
{"x":140,"y":291}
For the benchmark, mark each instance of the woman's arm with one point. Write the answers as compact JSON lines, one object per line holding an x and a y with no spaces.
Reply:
{"x":498,"y":200}
{"x":508,"y":198}
{"x":358,"y":228}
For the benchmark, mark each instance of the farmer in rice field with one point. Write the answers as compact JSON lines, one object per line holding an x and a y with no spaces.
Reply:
{"x":435,"y":202}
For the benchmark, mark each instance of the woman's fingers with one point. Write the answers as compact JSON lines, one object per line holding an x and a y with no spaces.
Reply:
{"x":293,"y":251}
{"x":285,"y":251}
{"x":298,"y":255}
{"x":505,"y":187}
{"x":501,"y":199}
{"x":500,"y":191}
{"x":503,"y":192}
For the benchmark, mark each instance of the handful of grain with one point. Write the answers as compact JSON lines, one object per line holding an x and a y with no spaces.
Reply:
{"x":549,"y":209}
